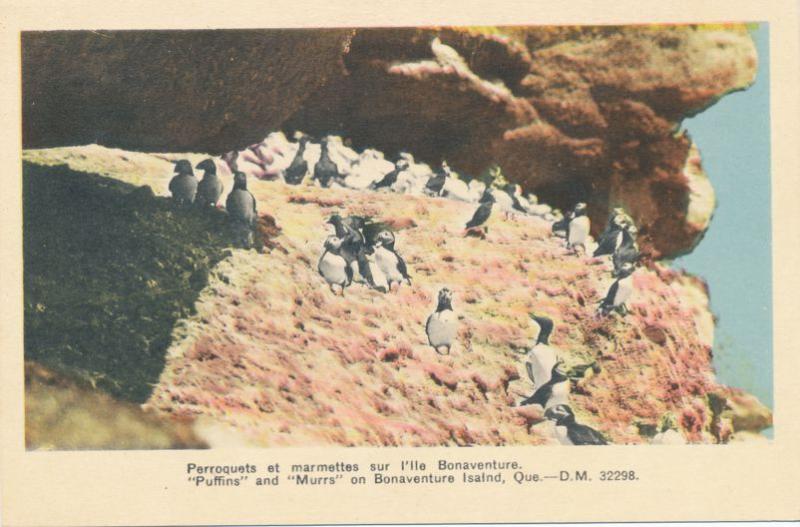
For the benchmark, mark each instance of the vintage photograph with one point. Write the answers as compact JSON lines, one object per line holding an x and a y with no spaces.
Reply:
{"x":395,"y":237}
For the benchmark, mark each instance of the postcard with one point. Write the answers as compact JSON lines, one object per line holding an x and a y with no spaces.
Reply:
{"x":345,"y":263}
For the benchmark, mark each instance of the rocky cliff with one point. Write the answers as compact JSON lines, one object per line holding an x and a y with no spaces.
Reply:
{"x":271,"y":357}
{"x":571,"y":113}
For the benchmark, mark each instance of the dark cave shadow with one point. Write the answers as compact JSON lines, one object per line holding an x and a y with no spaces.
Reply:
{"x":109,"y":269}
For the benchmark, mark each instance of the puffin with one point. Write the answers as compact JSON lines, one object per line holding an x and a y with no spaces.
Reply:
{"x":554,"y":392}
{"x":390,"y":263}
{"x":619,"y":292}
{"x":333,"y":267}
{"x":570,"y":432}
{"x":442,"y":325}
{"x":578,"y":228}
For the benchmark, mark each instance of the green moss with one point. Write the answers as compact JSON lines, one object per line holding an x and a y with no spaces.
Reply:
{"x":109,"y":269}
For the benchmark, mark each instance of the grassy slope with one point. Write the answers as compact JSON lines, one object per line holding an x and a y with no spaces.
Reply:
{"x":283,"y":361}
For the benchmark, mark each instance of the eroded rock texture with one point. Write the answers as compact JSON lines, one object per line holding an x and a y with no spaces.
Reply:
{"x":572,"y":113}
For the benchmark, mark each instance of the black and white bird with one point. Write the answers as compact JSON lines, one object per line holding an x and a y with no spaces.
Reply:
{"x":333,"y":267}
{"x":628,"y":250}
{"x":552,"y":393}
{"x":611,"y":237}
{"x":353,"y":249}
{"x":391,"y":178}
{"x":578,"y":229}
{"x":210,"y":187}
{"x":241,"y":207}
{"x":390,"y":263}
{"x":569,"y":432}
{"x":442,"y":324}
{"x":483,"y":211}
{"x":183,"y":186}
{"x":436,"y":183}
{"x":619,"y":292}
{"x":325,"y":170}
{"x":542,"y":357}
{"x":298,"y":168}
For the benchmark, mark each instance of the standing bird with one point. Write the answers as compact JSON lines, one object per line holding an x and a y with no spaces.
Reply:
{"x":297,"y":169}
{"x":578,"y":229}
{"x":569,"y":432}
{"x":518,"y":202}
{"x":628,"y":250}
{"x":435,"y":184}
{"x":442,"y":324}
{"x":210,"y":187}
{"x":183,"y":186}
{"x":391,"y":178}
{"x":542,"y":358}
{"x":611,"y":238}
{"x":353,"y":248}
{"x":552,"y":393}
{"x":241,"y":207}
{"x":483,"y":211}
{"x":325,"y":170}
{"x":619,"y":292}
{"x":333,"y":267}
{"x":388,"y":261}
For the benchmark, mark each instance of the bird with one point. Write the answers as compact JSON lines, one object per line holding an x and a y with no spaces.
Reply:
{"x":333,"y":267}
{"x":210,"y":187}
{"x":483,"y":211}
{"x":578,"y":228}
{"x":442,"y":325}
{"x":183,"y":186}
{"x":570,"y":432}
{"x":611,"y":238}
{"x":628,"y":250}
{"x":619,"y":292}
{"x":554,"y":392}
{"x":353,"y":248}
{"x":297,"y":169}
{"x":325,"y":170}
{"x":388,"y":261}
{"x":518,"y":202}
{"x":542,"y":357}
{"x":435,"y":184}
{"x":391,"y":178}
{"x":241,"y":207}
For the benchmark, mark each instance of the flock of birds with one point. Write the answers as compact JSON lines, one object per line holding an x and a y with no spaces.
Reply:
{"x":361,"y":251}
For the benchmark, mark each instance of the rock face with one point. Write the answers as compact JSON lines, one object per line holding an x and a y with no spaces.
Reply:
{"x":571,"y":113}
{"x":275,"y":358}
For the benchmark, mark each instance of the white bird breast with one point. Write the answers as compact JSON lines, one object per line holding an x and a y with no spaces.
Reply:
{"x":332,"y":268}
{"x":624,"y":291}
{"x":542,"y":358}
{"x":387,"y":262}
{"x":578,"y":230}
{"x":442,"y":328}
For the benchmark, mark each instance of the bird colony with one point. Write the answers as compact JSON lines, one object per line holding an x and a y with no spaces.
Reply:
{"x":362,"y":251}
